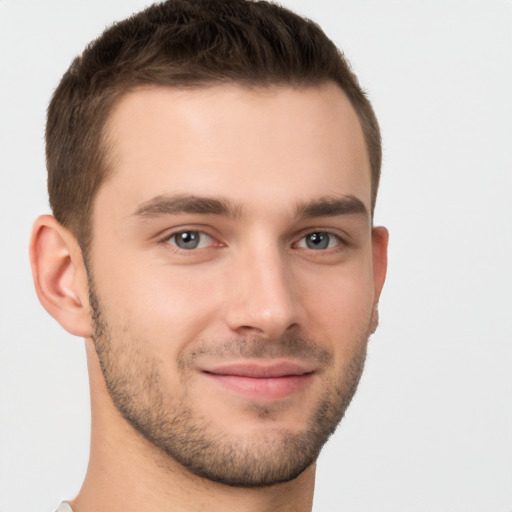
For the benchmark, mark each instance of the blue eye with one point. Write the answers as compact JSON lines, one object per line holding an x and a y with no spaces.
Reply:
{"x":189,"y":240}
{"x":319,"y":240}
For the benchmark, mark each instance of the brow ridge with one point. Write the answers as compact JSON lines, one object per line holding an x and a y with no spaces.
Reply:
{"x":184,"y":203}
{"x":332,"y":206}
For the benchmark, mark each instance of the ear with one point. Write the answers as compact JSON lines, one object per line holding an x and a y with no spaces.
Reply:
{"x":380,"y":238}
{"x":59,"y":275}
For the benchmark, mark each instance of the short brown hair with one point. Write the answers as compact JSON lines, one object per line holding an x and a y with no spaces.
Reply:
{"x":184,"y":44}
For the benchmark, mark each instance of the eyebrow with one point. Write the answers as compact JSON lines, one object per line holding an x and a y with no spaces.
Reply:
{"x":172,"y":205}
{"x":332,"y":206}
{"x":183,"y":203}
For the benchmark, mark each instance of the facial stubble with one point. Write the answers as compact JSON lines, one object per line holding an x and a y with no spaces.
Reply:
{"x":171,"y":425}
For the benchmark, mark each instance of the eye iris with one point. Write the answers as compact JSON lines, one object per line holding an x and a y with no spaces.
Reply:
{"x":317,"y":241}
{"x":187,"y":240}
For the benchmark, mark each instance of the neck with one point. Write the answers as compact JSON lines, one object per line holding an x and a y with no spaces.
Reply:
{"x":126,"y":472}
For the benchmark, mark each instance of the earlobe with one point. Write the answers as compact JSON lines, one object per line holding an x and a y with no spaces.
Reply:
{"x":59,"y":275}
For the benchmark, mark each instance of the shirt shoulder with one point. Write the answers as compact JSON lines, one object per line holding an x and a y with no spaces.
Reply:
{"x":64,"y":507}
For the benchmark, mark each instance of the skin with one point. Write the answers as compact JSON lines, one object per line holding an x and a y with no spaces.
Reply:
{"x":254,"y":277}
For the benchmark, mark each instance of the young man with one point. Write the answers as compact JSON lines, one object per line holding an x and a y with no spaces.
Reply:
{"x":212,"y":169}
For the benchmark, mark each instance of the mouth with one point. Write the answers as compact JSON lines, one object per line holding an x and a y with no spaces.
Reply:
{"x":265,"y":381}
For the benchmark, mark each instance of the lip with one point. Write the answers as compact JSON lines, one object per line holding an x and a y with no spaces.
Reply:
{"x":266,"y":381}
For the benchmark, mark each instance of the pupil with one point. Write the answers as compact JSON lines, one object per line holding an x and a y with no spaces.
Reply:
{"x":318,"y":241}
{"x":187,"y":240}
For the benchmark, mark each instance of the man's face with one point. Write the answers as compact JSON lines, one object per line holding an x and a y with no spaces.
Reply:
{"x":231,"y":274}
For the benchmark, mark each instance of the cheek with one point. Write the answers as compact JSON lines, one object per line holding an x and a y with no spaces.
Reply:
{"x":181,"y":302}
{"x":166,"y":307}
{"x":339,"y":304}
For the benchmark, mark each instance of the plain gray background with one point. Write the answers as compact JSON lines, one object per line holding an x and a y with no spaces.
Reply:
{"x":430,"y":429}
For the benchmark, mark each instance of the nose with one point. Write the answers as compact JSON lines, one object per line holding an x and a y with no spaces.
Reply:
{"x":263,"y":298}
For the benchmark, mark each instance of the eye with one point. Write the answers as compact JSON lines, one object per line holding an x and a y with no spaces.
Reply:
{"x":319,"y":240}
{"x":189,"y":240}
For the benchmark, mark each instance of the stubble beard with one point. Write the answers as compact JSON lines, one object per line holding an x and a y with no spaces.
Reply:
{"x":176,"y":430}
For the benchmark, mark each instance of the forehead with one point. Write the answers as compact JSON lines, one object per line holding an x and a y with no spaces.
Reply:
{"x":280,"y":143}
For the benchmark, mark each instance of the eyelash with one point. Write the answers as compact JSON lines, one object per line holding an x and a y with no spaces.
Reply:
{"x":167,"y":240}
{"x":339,"y":241}
{"x":332,"y":237}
